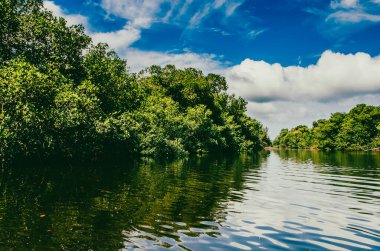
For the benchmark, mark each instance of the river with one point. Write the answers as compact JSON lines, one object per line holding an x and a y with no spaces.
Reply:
{"x":279,"y":200}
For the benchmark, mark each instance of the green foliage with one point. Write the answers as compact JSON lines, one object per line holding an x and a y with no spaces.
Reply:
{"x":60,"y":95}
{"x":359,"y":129}
{"x":297,"y":138}
{"x":282,"y":139}
{"x":26,"y":97}
{"x":76,"y":112}
{"x":11,"y":13}
{"x":109,"y":74}
{"x":44,"y":40}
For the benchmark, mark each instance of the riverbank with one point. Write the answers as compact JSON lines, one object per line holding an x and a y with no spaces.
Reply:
{"x":272,"y":148}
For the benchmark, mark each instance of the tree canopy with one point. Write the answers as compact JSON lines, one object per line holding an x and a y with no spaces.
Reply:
{"x":359,"y":129}
{"x":62,"y":95}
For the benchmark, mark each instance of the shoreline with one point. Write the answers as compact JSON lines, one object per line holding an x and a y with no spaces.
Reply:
{"x":275,"y":148}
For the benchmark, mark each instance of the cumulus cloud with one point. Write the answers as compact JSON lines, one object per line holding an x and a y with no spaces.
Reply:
{"x":72,"y":19}
{"x":334,"y":76}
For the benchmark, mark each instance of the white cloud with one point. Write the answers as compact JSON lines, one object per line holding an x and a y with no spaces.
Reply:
{"x":220,"y":31}
{"x":231,"y":7}
{"x":200,"y":15}
{"x":72,"y":19}
{"x":143,"y":13}
{"x":139,"y":13}
{"x":284,"y":97}
{"x":353,"y":11}
{"x":334,"y":76}
{"x":138,"y":60}
{"x":118,"y":40}
{"x":353,"y":16}
{"x":228,"y":7}
{"x":344,"y":4}
{"x":255,"y":33}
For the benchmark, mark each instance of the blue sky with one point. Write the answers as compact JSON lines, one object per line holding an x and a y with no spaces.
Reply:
{"x":295,"y":42}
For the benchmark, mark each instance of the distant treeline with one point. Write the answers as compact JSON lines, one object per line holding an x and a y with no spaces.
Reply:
{"x":359,"y":129}
{"x":62,"y":95}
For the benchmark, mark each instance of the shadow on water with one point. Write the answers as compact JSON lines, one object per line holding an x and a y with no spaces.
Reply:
{"x":108,"y":205}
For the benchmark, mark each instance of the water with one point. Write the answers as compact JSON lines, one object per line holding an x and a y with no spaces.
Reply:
{"x":287,"y":200}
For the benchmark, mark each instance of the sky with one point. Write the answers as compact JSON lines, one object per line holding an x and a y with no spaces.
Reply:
{"x":294,"y":61}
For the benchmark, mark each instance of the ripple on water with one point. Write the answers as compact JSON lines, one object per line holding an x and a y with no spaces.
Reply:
{"x":284,"y":201}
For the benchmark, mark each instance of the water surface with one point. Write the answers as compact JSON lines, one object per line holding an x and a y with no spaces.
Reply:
{"x":285,"y":200}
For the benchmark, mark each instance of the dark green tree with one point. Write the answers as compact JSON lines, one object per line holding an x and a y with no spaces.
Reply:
{"x":60,"y":95}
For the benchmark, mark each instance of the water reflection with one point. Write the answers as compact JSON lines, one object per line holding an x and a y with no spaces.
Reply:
{"x":355,"y":163}
{"x":287,"y":200}
{"x":116,"y":205}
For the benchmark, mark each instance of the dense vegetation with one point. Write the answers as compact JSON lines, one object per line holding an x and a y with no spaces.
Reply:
{"x":358,"y":129}
{"x":62,"y":95}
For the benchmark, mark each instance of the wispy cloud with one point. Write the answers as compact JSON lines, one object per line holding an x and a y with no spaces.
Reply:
{"x":142,"y":14}
{"x":121,"y":40}
{"x":353,"y":12}
{"x":253,"y":34}
{"x":138,"y":60}
{"x":138,"y":13}
{"x":344,"y":17}
{"x":220,"y":31}
{"x":207,"y":8}
{"x":204,"y":11}
{"x":231,"y":6}
{"x":353,"y":16}
{"x":346,"y":4}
